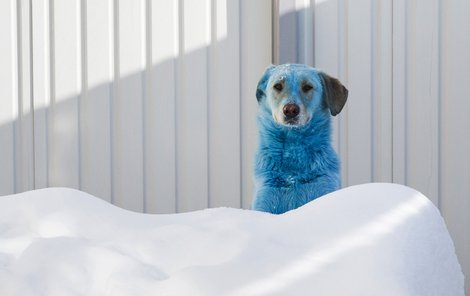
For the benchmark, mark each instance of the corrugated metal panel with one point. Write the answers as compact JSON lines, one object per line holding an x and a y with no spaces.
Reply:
{"x":41,"y":53}
{"x":454,"y":125}
{"x":225,"y":105}
{"x":192,"y":106}
{"x":160,"y":112}
{"x":97,"y":90}
{"x":255,"y":34}
{"x":407,"y":67}
{"x":24,"y":154}
{"x":127,"y":104}
{"x":66,"y":74}
{"x":8,"y":94}
{"x":146,"y":104}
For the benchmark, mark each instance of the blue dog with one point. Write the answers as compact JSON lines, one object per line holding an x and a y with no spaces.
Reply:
{"x":295,"y":162}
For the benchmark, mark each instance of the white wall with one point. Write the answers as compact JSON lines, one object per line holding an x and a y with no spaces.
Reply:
{"x":147,"y":104}
{"x":407,"y":67}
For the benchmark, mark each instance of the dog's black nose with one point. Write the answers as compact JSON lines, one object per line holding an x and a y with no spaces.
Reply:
{"x":291,"y":110}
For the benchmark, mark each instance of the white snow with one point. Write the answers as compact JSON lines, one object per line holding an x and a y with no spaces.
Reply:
{"x":372,"y":239}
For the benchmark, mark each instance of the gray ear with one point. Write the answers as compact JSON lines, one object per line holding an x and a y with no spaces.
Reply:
{"x":334,"y":93}
{"x":261,"y":89}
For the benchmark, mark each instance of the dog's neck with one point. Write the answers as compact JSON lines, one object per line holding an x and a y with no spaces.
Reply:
{"x":316,"y":133}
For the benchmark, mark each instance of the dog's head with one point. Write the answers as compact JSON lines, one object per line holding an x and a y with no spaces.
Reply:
{"x":294,"y":94}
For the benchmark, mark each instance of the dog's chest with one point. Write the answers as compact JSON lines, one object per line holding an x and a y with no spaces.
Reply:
{"x":296,"y":159}
{"x":288,"y":166}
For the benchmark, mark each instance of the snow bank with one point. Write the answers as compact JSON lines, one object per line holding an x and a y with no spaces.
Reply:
{"x":373,"y":239}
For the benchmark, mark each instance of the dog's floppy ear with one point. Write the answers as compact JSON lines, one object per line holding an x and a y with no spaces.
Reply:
{"x":334,"y":93}
{"x":261,"y":88}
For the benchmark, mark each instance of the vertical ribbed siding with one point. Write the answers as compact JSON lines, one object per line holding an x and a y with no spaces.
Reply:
{"x":406,"y":68}
{"x":8,"y":94}
{"x":454,"y":125}
{"x":95,"y":100}
{"x":255,"y":56}
{"x":83,"y":87}
{"x":150,"y":104}
{"x":146,"y":104}
{"x":160,"y":113}
{"x":343,"y":70}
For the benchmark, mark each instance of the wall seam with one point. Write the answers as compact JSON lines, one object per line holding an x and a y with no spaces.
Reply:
{"x":176,"y":14}
{"x":275,"y":31}
{"x":375,"y":105}
{"x":439,"y":103}
{"x":51,"y":115}
{"x":146,"y":97}
{"x":115,"y":93}
{"x":18,"y":106}
{"x":392,"y":142}
{"x":343,"y":45}
{"x":210,"y":56}
{"x":240,"y":103}
{"x":178,"y":91}
{"x":31,"y":102}
{"x":84,"y":87}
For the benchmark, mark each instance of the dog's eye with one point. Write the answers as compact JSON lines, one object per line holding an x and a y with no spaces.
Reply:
{"x":306,"y":87}
{"x":278,"y":86}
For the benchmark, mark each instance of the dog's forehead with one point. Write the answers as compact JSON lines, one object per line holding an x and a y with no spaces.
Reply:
{"x":293,"y":73}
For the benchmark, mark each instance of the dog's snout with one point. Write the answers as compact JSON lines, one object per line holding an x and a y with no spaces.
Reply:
{"x":291,"y":110}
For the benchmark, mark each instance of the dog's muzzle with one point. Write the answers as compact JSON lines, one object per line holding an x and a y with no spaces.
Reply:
{"x":291,"y":113}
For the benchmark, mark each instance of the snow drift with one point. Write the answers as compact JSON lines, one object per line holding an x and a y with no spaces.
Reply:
{"x":373,"y":239}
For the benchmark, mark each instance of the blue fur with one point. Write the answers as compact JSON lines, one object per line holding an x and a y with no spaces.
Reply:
{"x":293,"y":165}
